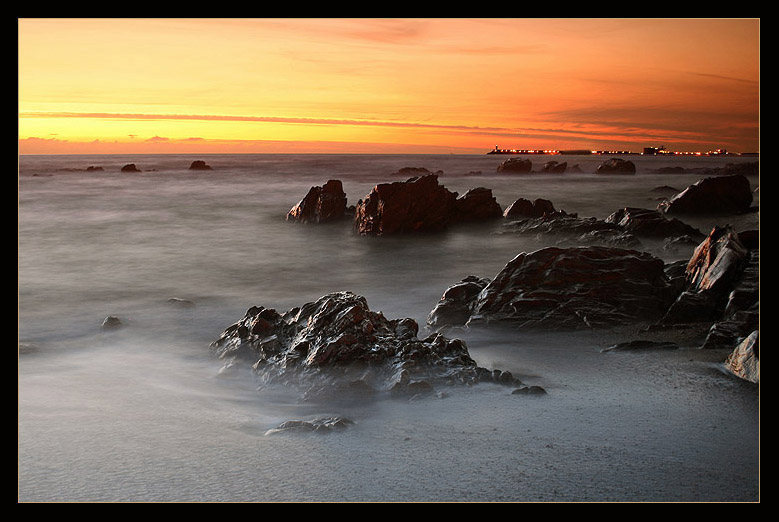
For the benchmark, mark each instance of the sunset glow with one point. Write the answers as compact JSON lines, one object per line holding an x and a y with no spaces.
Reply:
{"x":386,"y":85}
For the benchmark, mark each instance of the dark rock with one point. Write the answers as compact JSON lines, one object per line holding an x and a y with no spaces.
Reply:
{"x":456,"y":305}
{"x":524,"y":208}
{"x":616,"y":166}
{"x":574,"y":288}
{"x":750,"y":239}
{"x":652,"y":223}
{"x":554,"y":167}
{"x":413,"y":172}
{"x":130,"y":167}
{"x":319,"y":425}
{"x":94,"y":169}
{"x":571,"y":228}
{"x":184,"y":303}
{"x":321,"y":205}
{"x":199,"y":165}
{"x":111,"y":322}
{"x":478,"y":204}
{"x":337,"y":344}
{"x":516,"y":165}
{"x":529,"y":390}
{"x":715,"y":195}
{"x":416,"y":205}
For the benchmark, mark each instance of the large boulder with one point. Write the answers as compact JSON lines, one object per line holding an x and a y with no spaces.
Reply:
{"x":478,"y":204}
{"x":744,"y":361}
{"x":711,"y":275}
{"x":321,"y":204}
{"x":420,"y":204}
{"x":652,"y":223}
{"x":574,"y":288}
{"x":714,"y":195}
{"x":516,"y":165}
{"x":338,"y":347}
{"x":524,"y":208}
{"x":616,"y":166}
{"x":456,"y":304}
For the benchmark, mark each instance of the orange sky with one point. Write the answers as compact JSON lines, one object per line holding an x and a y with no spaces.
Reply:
{"x":386,"y":85}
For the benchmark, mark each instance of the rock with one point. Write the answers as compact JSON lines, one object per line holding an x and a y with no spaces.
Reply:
{"x":529,"y":390}
{"x":199,"y":165}
{"x":337,"y":346}
{"x":412,"y":172}
{"x":478,"y":204}
{"x":321,"y":205}
{"x":94,"y":169}
{"x":652,"y":223}
{"x":554,"y":167}
{"x":576,"y":288}
{"x":184,"y":303}
{"x":456,"y":304}
{"x":416,"y":205}
{"x":571,"y":228}
{"x":516,"y":165}
{"x":130,"y":167}
{"x":111,"y":322}
{"x":715,"y":195}
{"x":616,"y":166}
{"x":319,"y":425}
{"x":744,"y":361}
{"x":711,"y":274}
{"x":524,"y":208}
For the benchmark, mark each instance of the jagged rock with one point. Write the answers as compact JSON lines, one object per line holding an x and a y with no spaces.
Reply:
{"x":337,"y":344}
{"x":478,"y":204}
{"x":652,"y":223}
{"x":111,"y":322}
{"x":554,"y":167}
{"x":616,"y":166}
{"x":320,"y":425}
{"x":744,"y":361}
{"x":711,"y":274}
{"x":574,"y":288}
{"x":456,"y":304}
{"x":524,"y":208}
{"x":321,"y":204}
{"x":420,"y":204}
{"x":516,"y":165}
{"x":571,"y":228}
{"x":714,"y":195}
{"x":199,"y":165}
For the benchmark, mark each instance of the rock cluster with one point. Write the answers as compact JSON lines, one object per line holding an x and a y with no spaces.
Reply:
{"x":714,"y":195}
{"x":420,"y":204}
{"x":337,"y":347}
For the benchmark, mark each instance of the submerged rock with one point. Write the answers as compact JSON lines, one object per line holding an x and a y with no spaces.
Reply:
{"x":337,"y":347}
{"x":199,"y":165}
{"x":321,"y":204}
{"x":714,"y":195}
{"x":319,"y":425}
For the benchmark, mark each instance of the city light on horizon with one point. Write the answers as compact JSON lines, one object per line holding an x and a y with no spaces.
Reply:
{"x":145,"y":85}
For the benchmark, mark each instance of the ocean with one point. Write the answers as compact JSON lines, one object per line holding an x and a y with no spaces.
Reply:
{"x":143,"y":414}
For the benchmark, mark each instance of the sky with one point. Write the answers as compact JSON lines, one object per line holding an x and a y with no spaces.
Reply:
{"x":386,"y":85}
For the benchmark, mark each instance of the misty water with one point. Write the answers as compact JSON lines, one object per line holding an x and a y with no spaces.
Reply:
{"x":141,"y":413}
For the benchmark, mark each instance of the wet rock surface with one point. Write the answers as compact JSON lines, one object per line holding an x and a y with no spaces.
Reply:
{"x":516,"y":166}
{"x":616,"y":166}
{"x":336,"y":347}
{"x":420,"y":204}
{"x":321,"y":205}
{"x":713,"y":195}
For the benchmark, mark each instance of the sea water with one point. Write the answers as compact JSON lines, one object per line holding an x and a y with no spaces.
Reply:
{"x":142,"y":413}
